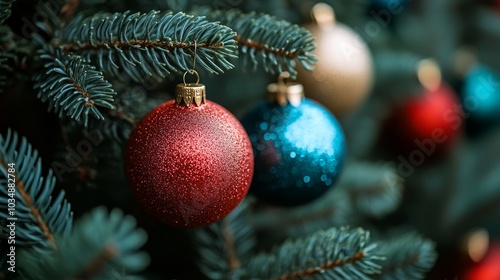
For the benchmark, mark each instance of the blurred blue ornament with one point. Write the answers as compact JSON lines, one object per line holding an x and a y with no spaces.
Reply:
{"x":298,"y":150}
{"x":481,"y":95}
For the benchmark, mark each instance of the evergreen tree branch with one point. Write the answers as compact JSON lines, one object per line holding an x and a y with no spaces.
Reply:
{"x":73,"y":87}
{"x":335,"y":254}
{"x":333,"y":209}
{"x":17,"y":50}
{"x":408,"y":256}
{"x":52,"y":18}
{"x":6,"y":54}
{"x":225,"y":246}
{"x":39,"y":217}
{"x":152,"y":44}
{"x":130,"y":106}
{"x":276,"y":44}
{"x":5,"y":9}
{"x":101,"y":244}
{"x":374,"y":190}
{"x":98,"y":263}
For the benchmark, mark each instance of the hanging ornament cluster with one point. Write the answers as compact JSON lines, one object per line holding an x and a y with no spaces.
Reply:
{"x":426,"y":123}
{"x":189,"y":161}
{"x":343,"y":74}
{"x":298,"y":146}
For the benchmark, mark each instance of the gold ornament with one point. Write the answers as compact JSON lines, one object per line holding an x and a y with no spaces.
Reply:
{"x":343,"y":74}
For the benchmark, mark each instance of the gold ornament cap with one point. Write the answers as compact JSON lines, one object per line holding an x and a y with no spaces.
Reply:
{"x":284,"y":93}
{"x":323,"y":15}
{"x":190,"y":93}
{"x":429,"y":74}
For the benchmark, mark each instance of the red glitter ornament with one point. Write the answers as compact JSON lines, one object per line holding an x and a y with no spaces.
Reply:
{"x":189,"y":161}
{"x":424,"y":125}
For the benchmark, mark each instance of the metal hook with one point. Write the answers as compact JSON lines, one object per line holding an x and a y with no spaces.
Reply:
{"x":192,"y":71}
{"x":194,"y":59}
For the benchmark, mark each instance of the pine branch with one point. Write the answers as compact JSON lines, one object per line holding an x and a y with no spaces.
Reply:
{"x":130,"y":106}
{"x":101,"y":244}
{"x":7,"y":37}
{"x":407,"y":257}
{"x":72,"y":87}
{"x":262,"y":38}
{"x":331,"y":254}
{"x":333,"y":209}
{"x":118,"y":126}
{"x":152,"y":44}
{"x":17,"y":50}
{"x":39,"y":217}
{"x":6,"y":45}
{"x":53,"y":19}
{"x":224,"y":246}
{"x":5,"y":10}
{"x":374,"y":190}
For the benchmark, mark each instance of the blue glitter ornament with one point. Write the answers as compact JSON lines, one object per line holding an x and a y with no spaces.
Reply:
{"x":481,"y":95}
{"x":298,"y":145}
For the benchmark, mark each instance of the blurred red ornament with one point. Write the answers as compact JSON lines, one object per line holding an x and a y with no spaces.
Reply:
{"x":189,"y":165}
{"x":487,"y":268}
{"x":425,"y":124}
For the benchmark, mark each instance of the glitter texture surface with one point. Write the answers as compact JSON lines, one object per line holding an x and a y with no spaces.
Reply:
{"x":189,"y":166}
{"x":298,"y":151}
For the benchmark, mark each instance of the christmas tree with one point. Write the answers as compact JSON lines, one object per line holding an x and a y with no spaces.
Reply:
{"x":120,"y":157}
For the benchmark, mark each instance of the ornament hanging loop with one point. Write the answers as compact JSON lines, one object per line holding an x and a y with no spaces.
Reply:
{"x":194,"y":59}
{"x":192,"y":72}
{"x":191,"y":93}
